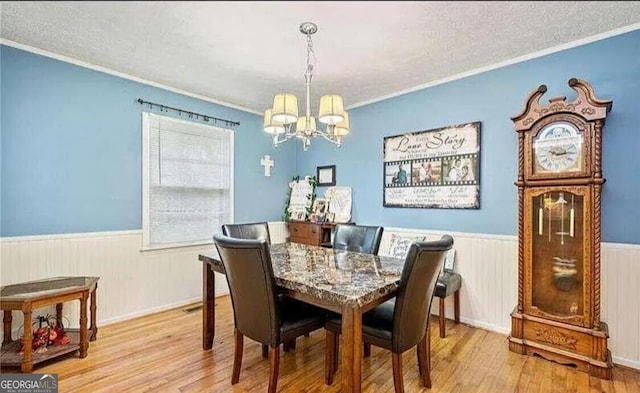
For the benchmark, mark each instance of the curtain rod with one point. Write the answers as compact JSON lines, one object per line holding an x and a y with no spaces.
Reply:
{"x":191,"y":114}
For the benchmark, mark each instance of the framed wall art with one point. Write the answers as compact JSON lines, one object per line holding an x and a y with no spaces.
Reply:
{"x":437,"y":168}
{"x":326,"y":175}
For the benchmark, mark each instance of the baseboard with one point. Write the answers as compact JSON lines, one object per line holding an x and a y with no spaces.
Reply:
{"x":485,"y":326}
{"x":148,"y":311}
{"x":626,"y":362}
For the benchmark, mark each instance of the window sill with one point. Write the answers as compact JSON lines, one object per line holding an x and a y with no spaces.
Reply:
{"x":174,"y":246}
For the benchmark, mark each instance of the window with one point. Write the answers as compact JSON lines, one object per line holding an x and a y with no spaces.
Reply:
{"x":187,"y":181}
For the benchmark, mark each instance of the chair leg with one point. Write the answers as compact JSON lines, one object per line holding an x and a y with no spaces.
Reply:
{"x":265,"y":351}
{"x":329,"y":356}
{"x":336,"y":352}
{"x":441,"y":318}
{"x":274,"y":357}
{"x":289,"y":345}
{"x":456,"y":305}
{"x":429,"y":350}
{"x":397,"y":372}
{"x":424,"y":359}
{"x":237,"y":356}
{"x":420,"y":359}
{"x":367,"y":350}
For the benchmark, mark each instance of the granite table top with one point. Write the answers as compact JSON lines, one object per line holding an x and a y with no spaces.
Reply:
{"x":337,"y":277}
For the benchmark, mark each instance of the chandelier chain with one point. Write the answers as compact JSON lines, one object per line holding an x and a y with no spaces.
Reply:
{"x":310,"y":54}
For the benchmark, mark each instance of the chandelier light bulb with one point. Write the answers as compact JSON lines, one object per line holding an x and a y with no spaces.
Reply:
{"x":331,"y":109}
{"x":271,"y":126}
{"x":285,"y":108}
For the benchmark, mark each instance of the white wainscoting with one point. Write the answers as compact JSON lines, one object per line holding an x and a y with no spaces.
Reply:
{"x":489,"y":268}
{"x":278,"y":232}
{"x":620,"y":298}
{"x":134,"y":283}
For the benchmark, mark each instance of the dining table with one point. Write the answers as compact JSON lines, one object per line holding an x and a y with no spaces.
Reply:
{"x":345,"y":282}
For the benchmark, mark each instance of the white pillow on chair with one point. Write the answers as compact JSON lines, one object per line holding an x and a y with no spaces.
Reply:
{"x":450,"y":260}
{"x":399,"y":245}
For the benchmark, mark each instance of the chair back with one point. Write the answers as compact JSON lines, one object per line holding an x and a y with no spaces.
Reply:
{"x":420,"y":273}
{"x":252,"y":230}
{"x":249,"y":273}
{"x":357,"y":238}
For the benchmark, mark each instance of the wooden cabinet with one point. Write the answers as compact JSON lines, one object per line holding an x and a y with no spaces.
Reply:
{"x":310,"y":233}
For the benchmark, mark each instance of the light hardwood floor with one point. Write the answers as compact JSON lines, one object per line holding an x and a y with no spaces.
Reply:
{"x":163,"y":353}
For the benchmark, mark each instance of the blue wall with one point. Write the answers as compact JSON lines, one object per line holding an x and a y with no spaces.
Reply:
{"x":71,"y":150}
{"x":612,"y":66}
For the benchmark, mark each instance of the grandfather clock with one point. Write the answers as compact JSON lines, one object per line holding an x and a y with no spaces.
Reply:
{"x":559,"y":187}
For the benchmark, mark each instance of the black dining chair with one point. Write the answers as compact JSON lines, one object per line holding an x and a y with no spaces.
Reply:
{"x":252,"y":230}
{"x":449,"y":283}
{"x":401,"y":323}
{"x":357,"y":238}
{"x":255,"y":231}
{"x":260,"y":313}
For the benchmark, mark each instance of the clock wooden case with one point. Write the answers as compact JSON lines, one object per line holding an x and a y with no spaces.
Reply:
{"x":559,"y":187}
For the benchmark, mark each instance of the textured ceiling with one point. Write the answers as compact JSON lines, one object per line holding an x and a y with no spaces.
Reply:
{"x":245,"y":52}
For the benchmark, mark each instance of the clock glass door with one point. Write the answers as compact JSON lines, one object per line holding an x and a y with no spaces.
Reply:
{"x":557,"y":249}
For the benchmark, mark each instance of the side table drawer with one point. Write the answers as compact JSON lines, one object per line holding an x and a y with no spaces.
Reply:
{"x":306,"y":233}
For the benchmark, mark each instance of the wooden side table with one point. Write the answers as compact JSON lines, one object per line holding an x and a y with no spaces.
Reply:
{"x":31,"y":295}
{"x":311,"y":233}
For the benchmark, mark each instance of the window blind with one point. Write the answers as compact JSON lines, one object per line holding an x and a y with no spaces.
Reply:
{"x":188,"y":181}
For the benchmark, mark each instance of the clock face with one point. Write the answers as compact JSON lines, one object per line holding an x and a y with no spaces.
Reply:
{"x":558,"y":148}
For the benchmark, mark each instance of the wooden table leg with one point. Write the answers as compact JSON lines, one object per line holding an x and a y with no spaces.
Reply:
{"x":27,"y":338}
{"x":456,"y":306}
{"x":441,"y":320}
{"x":94,"y":307}
{"x":6,"y":327}
{"x":59,"y":314}
{"x":351,"y":349}
{"x":84,"y":332}
{"x":209,"y":311}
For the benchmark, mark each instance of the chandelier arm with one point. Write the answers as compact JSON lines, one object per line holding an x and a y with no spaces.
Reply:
{"x":289,"y":133}
{"x":277,"y":141}
{"x":286,"y":136}
{"x":327,"y":137}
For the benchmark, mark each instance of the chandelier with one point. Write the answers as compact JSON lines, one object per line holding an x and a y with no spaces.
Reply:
{"x":282,"y":122}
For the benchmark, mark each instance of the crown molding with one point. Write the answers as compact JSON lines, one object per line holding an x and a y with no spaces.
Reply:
{"x":520,"y":59}
{"x":119,"y":74}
